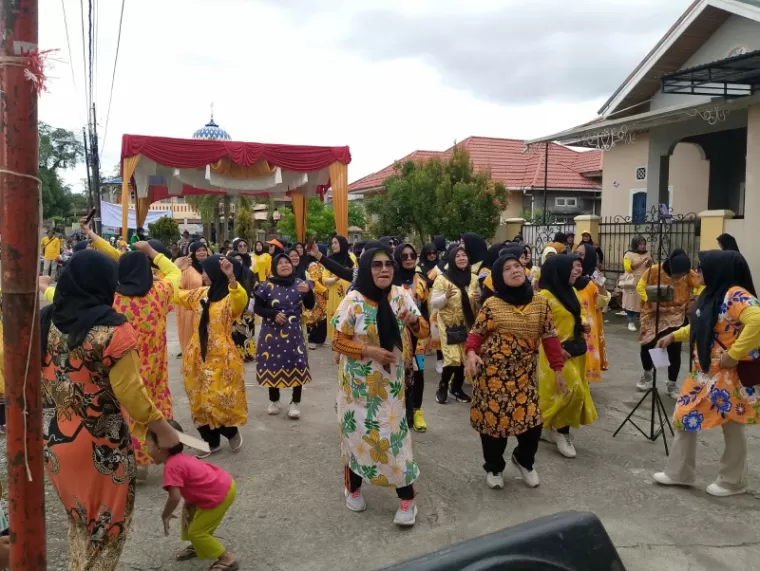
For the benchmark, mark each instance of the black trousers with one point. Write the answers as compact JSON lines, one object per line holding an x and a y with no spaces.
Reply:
{"x":674,"y":355}
{"x":354,"y":482}
{"x":415,"y":387}
{"x":453,"y":377}
{"x":525,"y":453}
{"x":274,"y":394}
{"x":318,"y":333}
{"x":214,"y":435}
{"x":439,"y":355}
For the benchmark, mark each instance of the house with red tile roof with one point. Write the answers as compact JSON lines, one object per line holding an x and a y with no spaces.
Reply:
{"x":683,"y":128}
{"x":573,"y":178}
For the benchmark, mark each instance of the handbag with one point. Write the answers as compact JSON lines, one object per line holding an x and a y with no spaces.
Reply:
{"x":456,"y":335}
{"x":660,"y":293}
{"x":748,"y":371}
{"x":627,"y":281}
{"x":575,"y":347}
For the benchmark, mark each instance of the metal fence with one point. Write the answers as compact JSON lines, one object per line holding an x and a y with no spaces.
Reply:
{"x":663,"y":235}
{"x":616,"y":233}
{"x":538,"y":236}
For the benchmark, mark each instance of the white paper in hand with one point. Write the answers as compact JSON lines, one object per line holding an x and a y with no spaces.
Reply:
{"x":193,"y":442}
{"x":659,"y":358}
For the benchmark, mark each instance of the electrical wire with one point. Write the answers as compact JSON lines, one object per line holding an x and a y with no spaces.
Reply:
{"x":90,"y":44}
{"x":68,"y":44}
{"x":113,"y":77}
{"x":87,"y":96}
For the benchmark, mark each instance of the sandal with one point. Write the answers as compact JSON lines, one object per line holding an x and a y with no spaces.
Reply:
{"x":186,"y":554}
{"x":234,"y":566}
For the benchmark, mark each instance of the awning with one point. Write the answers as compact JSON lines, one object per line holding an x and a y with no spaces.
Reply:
{"x":605,"y":134}
{"x":731,"y":77}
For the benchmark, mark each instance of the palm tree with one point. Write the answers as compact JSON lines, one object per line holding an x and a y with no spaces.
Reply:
{"x":207,"y":206}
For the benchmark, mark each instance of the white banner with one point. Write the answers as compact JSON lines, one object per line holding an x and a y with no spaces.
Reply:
{"x":111,"y":216}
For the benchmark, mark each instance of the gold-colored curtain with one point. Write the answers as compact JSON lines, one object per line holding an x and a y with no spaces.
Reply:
{"x":142,"y":205}
{"x":225,"y":167}
{"x":300,"y":206}
{"x":128,"y":166}
{"x":339,"y":184}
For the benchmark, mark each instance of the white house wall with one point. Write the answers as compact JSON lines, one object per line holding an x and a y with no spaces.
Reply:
{"x":736,"y":32}
{"x":689,"y":177}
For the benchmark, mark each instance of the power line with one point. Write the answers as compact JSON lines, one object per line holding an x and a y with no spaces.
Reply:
{"x":87,"y":95}
{"x":90,"y":48}
{"x":113,"y":77}
{"x":68,"y":44}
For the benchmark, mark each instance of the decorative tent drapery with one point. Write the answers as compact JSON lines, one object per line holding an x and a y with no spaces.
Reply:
{"x":234,"y":160}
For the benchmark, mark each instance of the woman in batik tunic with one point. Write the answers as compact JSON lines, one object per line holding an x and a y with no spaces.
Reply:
{"x":337,"y":287}
{"x":192,"y":278}
{"x":316,"y":318}
{"x":430,"y":270}
{"x":281,"y":359}
{"x":724,"y":330}
{"x":212,"y":367}
{"x":91,"y":372}
{"x":376,"y":443}
{"x":502,"y":359}
{"x":244,"y":328}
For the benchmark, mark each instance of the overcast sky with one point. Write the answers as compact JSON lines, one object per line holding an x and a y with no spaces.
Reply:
{"x":385,"y":77}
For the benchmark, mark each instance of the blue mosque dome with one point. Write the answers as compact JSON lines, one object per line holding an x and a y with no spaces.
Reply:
{"x":212,"y":131}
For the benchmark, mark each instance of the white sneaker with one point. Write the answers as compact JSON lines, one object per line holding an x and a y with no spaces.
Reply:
{"x":565,"y":445}
{"x":202,"y":454}
{"x":406,"y":515}
{"x":672,"y":390}
{"x":529,"y":477}
{"x":495,"y":481}
{"x":312,"y":347}
{"x":274,"y":408}
{"x":664,"y":480}
{"x":293,"y":411}
{"x":355,"y":502}
{"x":721,"y":492}
{"x":645,"y":382}
{"x":632,"y":326}
{"x":236,"y":442}
{"x":439,"y":367}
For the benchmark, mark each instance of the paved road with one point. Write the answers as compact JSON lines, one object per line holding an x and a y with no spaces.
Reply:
{"x":289,"y":514}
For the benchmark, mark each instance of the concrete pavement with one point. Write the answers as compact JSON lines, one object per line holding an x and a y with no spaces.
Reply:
{"x":289,"y":514}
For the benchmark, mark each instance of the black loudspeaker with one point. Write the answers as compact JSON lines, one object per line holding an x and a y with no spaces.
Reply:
{"x":568,"y":541}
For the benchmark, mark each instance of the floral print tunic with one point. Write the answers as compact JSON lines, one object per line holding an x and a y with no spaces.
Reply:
{"x":376,"y":442}
{"x":709,"y":400}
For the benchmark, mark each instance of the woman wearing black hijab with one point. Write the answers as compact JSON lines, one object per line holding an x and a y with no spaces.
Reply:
{"x":89,"y":350}
{"x":676,"y":273}
{"x":724,"y":330}
{"x":212,"y":367}
{"x":192,"y":278}
{"x":505,"y":399}
{"x":569,"y":404}
{"x":455,"y":295}
{"x":430,"y":268}
{"x":728,"y":242}
{"x":244,"y":328}
{"x":407,"y":276}
{"x":368,"y":337}
{"x":337,"y":286}
{"x":476,"y":249}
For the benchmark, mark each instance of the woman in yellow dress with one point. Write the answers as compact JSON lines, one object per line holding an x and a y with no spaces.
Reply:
{"x":262,"y":261}
{"x":594,"y":297}
{"x":573,"y":407}
{"x":212,"y":367}
{"x":429,"y":268}
{"x":455,"y":295}
{"x":192,"y":278}
{"x":336,"y":287}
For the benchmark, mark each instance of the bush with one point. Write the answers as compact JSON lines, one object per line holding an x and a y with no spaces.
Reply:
{"x":165,"y":229}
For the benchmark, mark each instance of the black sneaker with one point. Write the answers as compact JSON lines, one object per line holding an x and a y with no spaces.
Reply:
{"x":461,"y":396}
{"x":441,"y":396}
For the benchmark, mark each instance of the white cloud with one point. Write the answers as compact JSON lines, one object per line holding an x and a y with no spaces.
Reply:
{"x":282,"y":72}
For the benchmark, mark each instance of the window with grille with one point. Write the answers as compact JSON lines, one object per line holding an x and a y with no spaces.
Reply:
{"x":641,"y":173}
{"x":566,"y":202}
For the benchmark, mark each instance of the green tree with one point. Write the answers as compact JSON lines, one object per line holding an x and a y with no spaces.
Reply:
{"x":244,"y":227}
{"x":165,"y":229}
{"x":320,"y":219}
{"x":207,"y":206}
{"x":439,"y":197}
{"x":59,"y":150}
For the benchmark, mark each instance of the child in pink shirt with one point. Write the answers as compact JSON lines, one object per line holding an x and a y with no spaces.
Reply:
{"x":208,"y":492}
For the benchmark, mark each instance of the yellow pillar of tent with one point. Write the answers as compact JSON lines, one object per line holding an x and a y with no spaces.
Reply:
{"x":339,"y":184}
{"x":128,"y":166}
{"x":300,"y":207}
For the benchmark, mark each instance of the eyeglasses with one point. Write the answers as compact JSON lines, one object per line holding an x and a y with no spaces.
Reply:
{"x":408,"y":256}
{"x":382,"y":264}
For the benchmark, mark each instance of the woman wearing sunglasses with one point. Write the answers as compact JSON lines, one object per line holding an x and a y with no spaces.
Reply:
{"x":376,"y":443}
{"x":409,"y":276}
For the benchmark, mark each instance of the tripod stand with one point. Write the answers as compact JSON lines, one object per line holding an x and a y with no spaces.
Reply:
{"x":657,"y":405}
